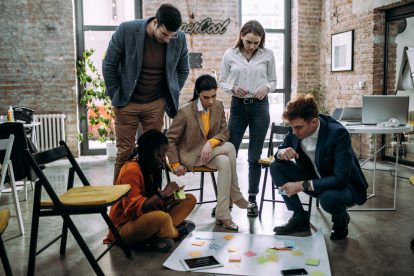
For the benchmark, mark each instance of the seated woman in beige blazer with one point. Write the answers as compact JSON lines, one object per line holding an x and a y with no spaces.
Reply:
{"x":198,"y":136}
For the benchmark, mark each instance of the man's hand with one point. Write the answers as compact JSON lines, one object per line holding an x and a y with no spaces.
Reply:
{"x":180,"y":170}
{"x":170,"y":188}
{"x":205,"y":153}
{"x":261,"y":93}
{"x":287,"y":154}
{"x":292,"y":188}
{"x":239,"y":92}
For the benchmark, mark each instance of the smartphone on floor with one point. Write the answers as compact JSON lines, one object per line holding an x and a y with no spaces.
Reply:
{"x":295,"y":271}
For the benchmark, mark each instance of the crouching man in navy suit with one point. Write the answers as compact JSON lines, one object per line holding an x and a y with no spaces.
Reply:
{"x":317,"y":158}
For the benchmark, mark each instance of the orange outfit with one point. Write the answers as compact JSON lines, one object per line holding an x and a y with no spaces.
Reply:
{"x":132,"y":222}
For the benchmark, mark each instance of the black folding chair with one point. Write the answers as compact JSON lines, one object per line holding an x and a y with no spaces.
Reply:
{"x":280,"y":130}
{"x":87,"y":199}
{"x":201,"y":170}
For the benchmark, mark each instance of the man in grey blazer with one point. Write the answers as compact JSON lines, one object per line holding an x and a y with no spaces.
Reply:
{"x":145,"y":67}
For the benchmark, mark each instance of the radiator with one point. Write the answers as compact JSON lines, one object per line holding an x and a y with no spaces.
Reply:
{"x":50,"y":130}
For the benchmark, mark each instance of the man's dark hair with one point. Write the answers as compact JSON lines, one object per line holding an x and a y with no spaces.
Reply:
{"x":303,"y":107}
{"x":169,"y":16}
{"x":203,"y":83}
{"x":147,"y":145}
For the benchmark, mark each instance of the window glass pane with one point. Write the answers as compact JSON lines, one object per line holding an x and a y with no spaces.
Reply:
{"x":97,"y":40}
{"x":276,"y":42}
{"x":270,"y":13}
{"x":107,"y":12}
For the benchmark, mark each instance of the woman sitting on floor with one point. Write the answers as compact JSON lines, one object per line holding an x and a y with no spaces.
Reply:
{"x":198,"y":136}
{"x":141,"y":217}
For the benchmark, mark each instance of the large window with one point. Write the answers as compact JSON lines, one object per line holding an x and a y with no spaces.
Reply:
{"x":399,"y":73}
{"x":96,"y":21}
{"x":275,"y":17}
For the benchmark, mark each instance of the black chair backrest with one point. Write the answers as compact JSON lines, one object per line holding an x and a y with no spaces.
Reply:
{"x":275,"y":130}
{"x":36,"y":160}
{"x":20,"y":166}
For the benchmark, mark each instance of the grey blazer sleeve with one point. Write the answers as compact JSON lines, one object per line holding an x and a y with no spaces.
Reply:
{"x":113,"y":57}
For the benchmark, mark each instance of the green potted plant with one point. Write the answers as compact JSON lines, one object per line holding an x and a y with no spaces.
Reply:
{"x":319,"y":94}
{"x":99,"y":112}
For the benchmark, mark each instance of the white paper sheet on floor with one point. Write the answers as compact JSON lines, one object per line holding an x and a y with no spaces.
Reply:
{"x":312,"y":247}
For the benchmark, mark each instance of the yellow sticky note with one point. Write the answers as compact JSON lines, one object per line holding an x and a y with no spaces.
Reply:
{"x":261,"y":259}
{"x":233,"y":249}
{"x":198,"y":243}
{"x":228,"y":237}
{"x":270,"y":251}
{"x":180,"y":194}
{"x":312,"y":261}
{"x":296,"y":252}
{"x":194,"y":254}
{"x":273,"y":258}
{"x":317,"y":273}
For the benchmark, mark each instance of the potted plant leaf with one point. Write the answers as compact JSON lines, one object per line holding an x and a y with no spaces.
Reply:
{"x":99,"y":113}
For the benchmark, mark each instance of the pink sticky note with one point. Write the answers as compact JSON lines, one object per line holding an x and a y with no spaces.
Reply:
{"x":250,"y":253}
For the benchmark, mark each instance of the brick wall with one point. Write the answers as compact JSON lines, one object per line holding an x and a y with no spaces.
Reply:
{"x":211,"y":46}
{"x":368,"y":24}
{"x":306,"y":16}
{"x":37,"y":59}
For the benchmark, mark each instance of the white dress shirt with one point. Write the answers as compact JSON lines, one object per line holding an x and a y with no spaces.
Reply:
{"x":250,"y":75}
{"x":308,"y":145}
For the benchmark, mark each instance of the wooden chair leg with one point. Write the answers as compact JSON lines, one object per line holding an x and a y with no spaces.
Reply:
{"x":4,"y":259}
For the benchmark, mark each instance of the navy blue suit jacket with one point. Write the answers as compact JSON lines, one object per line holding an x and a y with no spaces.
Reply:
{"x":123,"y":60}
{"x":334,"y":158}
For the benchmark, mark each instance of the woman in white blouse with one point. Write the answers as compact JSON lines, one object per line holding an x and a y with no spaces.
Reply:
{"x":248,"y":73}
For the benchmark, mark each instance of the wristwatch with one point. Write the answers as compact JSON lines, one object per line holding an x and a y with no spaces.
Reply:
{"x":305,"y":185}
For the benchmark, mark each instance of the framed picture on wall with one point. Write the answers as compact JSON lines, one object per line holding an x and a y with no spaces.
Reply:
{"x":342,"y":49}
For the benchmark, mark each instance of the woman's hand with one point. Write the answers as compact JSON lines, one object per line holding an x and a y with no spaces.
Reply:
{"x":180,"y":170}
{"x":261,"y":93}
{"x":169,"y":189}
{"x":239,"y":92}
{"x":206,"y":152}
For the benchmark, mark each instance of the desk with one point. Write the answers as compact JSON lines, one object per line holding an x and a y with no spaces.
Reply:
{"x":372,"y":129}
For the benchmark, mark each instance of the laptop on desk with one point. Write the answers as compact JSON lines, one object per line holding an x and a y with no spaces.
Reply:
{"x":348,"y":115}
{"x":381,"y":108}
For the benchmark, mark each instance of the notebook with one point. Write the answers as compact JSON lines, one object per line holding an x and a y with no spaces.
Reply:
{"x":380,"y":108}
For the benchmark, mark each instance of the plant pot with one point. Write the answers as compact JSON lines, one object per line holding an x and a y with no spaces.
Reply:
{"x":111,"y":150}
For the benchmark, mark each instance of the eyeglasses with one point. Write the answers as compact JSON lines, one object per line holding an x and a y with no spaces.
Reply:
{"x":165,"y":35}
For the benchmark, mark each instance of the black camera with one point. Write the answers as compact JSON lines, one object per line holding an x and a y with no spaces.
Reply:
{"x":23,"y":114}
